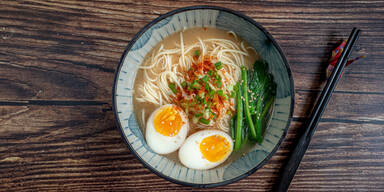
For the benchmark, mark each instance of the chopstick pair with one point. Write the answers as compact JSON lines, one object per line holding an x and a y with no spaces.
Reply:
{"x":302,"y":145}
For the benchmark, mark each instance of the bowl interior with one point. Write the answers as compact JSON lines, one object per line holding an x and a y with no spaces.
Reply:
{"x":220,"y":18}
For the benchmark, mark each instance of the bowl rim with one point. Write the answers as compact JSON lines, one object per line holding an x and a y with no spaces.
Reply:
{"x":148,"y":26}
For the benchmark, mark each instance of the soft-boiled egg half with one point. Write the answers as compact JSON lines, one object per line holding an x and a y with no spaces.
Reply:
{"x":206,"y":149}
{"x":166,"y":129}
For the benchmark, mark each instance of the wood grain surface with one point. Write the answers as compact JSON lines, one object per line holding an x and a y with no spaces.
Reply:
{"x":57,"y":63}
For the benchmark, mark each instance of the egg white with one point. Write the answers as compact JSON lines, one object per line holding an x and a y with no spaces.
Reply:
{"x":190,"y":155}
{"x":164,"y":144}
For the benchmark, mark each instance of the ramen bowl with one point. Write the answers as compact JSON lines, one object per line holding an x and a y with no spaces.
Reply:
{"x":203,"y":16}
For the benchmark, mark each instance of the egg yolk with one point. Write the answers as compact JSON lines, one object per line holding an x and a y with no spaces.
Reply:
{"x":167,"y":121}
{"x":214,"y":148}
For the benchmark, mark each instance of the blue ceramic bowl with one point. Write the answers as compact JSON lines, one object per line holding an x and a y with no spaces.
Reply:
{"x":203,"y":16}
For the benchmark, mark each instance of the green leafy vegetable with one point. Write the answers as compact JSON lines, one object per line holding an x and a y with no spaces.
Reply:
{"x":245,"y":134}
{"x":267,"y":106}
{"x":248,"y":117}
{"x":254,"y":94}
{"x":262,"y":93}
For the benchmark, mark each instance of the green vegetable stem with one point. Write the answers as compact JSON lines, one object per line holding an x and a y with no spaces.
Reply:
{"x":239,"y":120}
{"x":248,"y":117}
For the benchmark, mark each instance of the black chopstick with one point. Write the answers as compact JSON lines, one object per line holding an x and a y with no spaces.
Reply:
{"x":297,"y":154}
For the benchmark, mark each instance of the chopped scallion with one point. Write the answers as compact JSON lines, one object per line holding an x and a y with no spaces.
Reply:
{"x":198,"y":114}
{"x":218,"y":65}
{"x":205,"y":78}
{"x":204,"y":121}
{"x":197,"y":53}
{"x":198,"y":99}
{"x":233,"y":94}
{"x":220,"y":92}
{"x":207,"y":87}
{"x":184,"y":84}
{"x":196,"y":85}
{"x":214,"y":115}
{"x":219,"y":84}
{"x":173,"y":88}
{"x":211,"y":92}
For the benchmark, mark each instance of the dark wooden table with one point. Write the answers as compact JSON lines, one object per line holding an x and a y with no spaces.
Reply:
{"x":57,"y":63}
